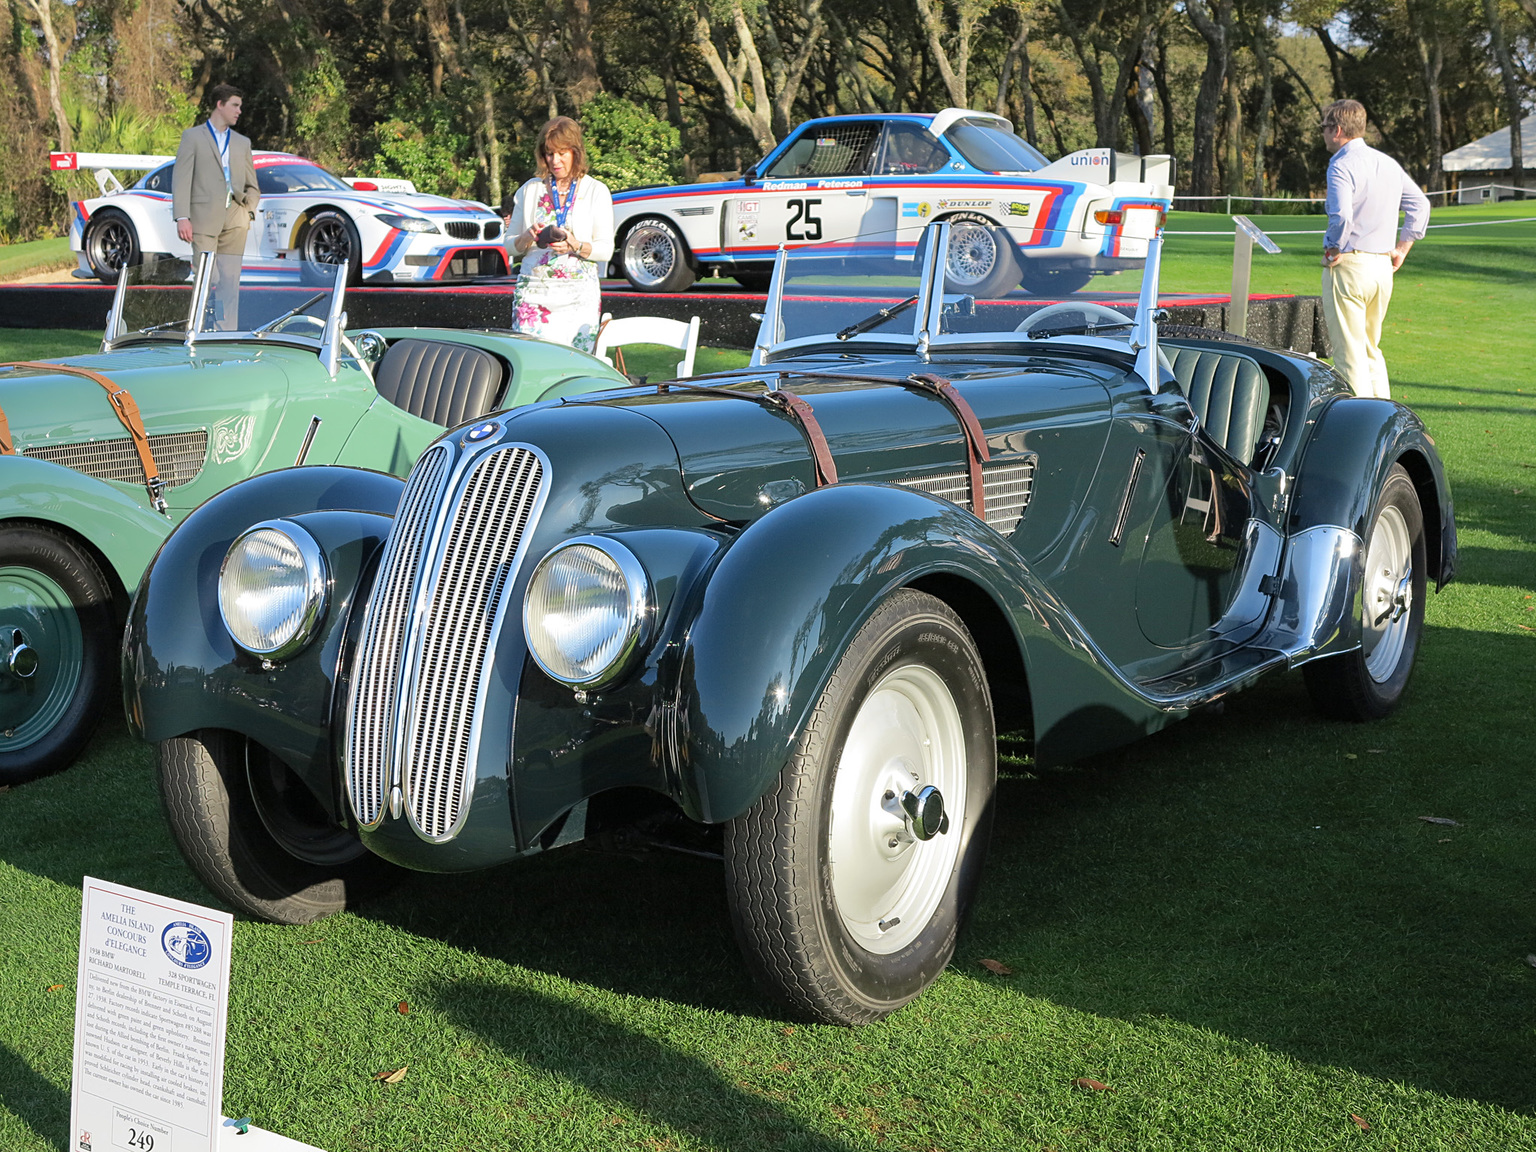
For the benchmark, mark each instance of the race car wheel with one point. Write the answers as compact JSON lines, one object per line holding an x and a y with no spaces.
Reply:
{"x":654,"y":258}
{"x":111,"y":242}
{"x":1045,"y":278}
{"x":58,"y":650}
{"x":254,"y":833}
{"x":848,"y":880}
{"x":1367,"y":684}
{"x":331,"y":238}
{"x":981,"y":260}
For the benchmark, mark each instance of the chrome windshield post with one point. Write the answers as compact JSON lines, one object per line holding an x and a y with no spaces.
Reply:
{"x":115,"y":328}
{"x":1144,"y":335}
{"x":930,"y":305}
{"x":770,"y":330}
{"x":200,"y":289}
{"x":335,"y":324}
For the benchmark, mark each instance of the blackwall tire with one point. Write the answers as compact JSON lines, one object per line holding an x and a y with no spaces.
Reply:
{"x":1368,"y":683}
{"x":1045,"y":278}
{"x":841,"y":912}
{"x":981,"y":260}
{"x":331,"y":238}
{"x":247,"y":828}
{"x":110,"y":242}
{"x":654,"y":257}
{"x":59,"y":629}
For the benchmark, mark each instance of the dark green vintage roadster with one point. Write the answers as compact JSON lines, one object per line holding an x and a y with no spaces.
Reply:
{"x":783,"y":611}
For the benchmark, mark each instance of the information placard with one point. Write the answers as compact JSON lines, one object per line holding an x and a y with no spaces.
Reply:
{"x":151,"y":999}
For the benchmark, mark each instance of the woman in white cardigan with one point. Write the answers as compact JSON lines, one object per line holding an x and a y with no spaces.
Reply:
{"x":562,"y":228}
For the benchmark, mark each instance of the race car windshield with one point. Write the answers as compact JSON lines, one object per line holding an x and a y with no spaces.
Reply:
{"x":987,"y":145}
{"x":275,"y":179}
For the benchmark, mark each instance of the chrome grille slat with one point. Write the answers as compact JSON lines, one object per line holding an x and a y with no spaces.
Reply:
{"x":1007,"y":486}
{"x":371,"y":723}
{"x":180,"y":457}
{"x":455,"y":631}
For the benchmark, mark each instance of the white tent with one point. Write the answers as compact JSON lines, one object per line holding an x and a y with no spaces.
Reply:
{"x":1491,"y":153}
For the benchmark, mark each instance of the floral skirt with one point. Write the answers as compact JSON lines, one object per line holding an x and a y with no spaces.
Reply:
{"x":560,"y":310}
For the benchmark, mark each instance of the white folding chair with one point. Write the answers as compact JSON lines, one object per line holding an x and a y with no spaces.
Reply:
{"x":650,"y":330}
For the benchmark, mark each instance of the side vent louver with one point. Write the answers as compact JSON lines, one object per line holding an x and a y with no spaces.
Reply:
{"x":179,"y":455}
{"x":1006,"y":483}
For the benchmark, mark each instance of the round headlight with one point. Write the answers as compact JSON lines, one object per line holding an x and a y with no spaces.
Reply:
{"x":272,"y":589}
{"x":588,"y":608}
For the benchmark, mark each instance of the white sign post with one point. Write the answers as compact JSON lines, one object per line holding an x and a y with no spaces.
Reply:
{"x":151,"y":1000}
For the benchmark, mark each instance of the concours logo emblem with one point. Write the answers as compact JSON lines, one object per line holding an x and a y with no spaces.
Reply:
{"x":481,"y":432}
{"x":187,"y":945}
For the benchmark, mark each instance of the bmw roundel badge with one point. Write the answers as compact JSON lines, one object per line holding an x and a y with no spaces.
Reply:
{"x":482,"y":432}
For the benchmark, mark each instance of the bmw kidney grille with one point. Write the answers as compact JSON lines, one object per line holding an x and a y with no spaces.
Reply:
{"x":428,"y":633}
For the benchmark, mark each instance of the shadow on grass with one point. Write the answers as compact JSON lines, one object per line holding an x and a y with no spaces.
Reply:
{"x":614,"y":1062}
{"x":1266,"y":875}
{"x":33,"y":1099}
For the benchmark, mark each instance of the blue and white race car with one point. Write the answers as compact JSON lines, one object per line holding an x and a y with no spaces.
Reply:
{"x":384,"y":229}
{"x":1016,"y":217}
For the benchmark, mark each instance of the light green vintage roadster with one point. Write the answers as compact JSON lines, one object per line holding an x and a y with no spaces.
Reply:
{"x":102,"y":455}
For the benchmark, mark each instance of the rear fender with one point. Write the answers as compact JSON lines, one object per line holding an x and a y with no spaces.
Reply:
{"x":785,"y":600}
{"x":1355,"y":444}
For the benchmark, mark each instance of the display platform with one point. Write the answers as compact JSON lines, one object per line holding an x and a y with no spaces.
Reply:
{"x":725,"y":312}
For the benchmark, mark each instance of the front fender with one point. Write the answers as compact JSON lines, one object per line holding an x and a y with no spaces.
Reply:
{"x":785,"y":600}
{"x":122,"y":529}
{"x":181,"y":670}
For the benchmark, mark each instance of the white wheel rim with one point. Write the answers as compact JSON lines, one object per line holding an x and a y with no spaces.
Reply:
{"x":908,"y":734}
{"x":649,"y":254}
{"x":972,"y":254}
{"x":1387,"y":614}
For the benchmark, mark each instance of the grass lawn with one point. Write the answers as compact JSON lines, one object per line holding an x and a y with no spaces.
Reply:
{"x":1241,"y":926}
{"x":35,"y":256}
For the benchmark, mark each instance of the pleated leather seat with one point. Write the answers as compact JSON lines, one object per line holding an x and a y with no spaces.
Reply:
{"x":444,"y":383}
{"x":1229,"y":393}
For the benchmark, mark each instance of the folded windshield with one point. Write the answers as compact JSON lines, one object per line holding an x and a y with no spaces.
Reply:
{"x":235,"y":296}
{"x":965,"y":280}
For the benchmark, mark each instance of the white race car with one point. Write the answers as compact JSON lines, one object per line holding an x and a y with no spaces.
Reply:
{"x":1017,"y":217}
{"x":384,"y":229}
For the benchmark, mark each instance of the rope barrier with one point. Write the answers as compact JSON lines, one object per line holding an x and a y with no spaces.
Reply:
{"x":1321,"y":231}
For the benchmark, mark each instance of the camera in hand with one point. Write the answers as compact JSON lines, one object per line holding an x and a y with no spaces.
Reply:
{"x":551,"y":233}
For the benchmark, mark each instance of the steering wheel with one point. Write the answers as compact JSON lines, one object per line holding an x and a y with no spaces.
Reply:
{"x":296,"y":325}
{"x":1089,"y":311}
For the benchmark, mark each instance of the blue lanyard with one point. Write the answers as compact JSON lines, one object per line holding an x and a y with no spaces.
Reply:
{"x":562,"y":211}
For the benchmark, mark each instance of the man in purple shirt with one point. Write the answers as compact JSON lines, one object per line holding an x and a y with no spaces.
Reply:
{"x":1366,"y":190}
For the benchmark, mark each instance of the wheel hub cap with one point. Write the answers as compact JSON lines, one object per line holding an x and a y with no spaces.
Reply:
{"x":22,"y":661}
{"x":1388,"y":597}
{"x":42,"y":654}
{"x":902,"y":765}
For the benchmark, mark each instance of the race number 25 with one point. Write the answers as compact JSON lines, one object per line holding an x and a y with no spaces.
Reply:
{"x":800,"y":213}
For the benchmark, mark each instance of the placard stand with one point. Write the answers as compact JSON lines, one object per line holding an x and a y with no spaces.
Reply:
{"x":151,"y":1002}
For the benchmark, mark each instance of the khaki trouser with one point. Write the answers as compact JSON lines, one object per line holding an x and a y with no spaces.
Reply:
{"x":1356,"y":292}
{"x":228,"y":248}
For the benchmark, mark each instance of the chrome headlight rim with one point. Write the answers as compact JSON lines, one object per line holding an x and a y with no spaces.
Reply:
{"x":317,"y":588}
{"x":640,"y":617}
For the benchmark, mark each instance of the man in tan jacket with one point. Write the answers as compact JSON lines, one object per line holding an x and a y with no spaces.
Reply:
{"x":214,"y":196}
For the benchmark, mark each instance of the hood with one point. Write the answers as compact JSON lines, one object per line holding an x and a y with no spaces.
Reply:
{"x":415,"y":202}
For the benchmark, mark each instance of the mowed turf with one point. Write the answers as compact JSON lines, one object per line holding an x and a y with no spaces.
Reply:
{"x":1242,"y":927}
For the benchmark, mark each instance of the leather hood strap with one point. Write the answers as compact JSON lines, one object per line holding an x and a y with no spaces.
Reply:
{"x":796,"y":408}
{"x":127,"y":413}
{"x":7,"y":448}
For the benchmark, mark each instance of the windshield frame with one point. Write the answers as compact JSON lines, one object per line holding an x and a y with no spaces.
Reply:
{"x":926,"y":334}
{"x":327,"y":344}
